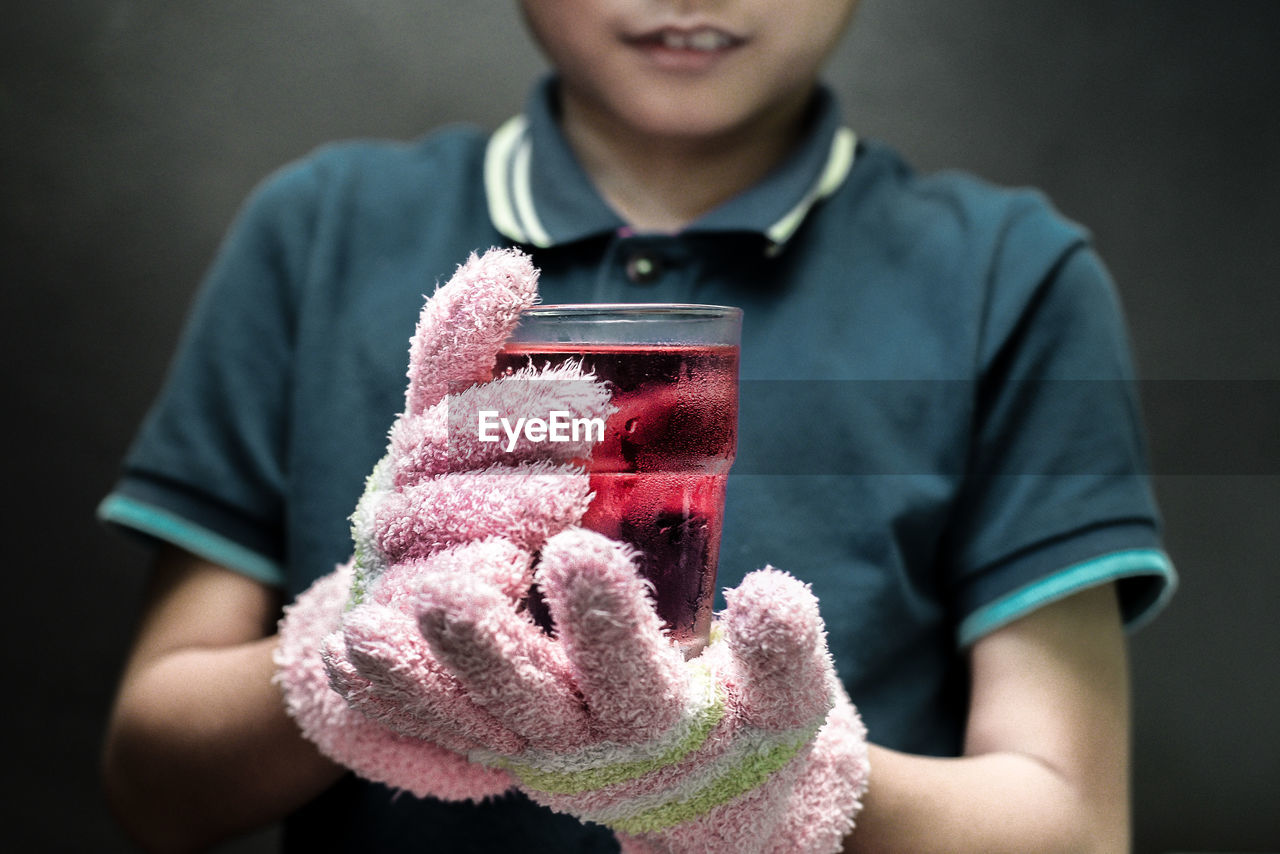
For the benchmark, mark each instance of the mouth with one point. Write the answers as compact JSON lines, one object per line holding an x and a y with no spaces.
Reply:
{"x":685,"y":48}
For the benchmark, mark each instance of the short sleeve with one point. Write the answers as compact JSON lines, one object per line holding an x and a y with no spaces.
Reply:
{"x":207,"y":470}
{"x":1057,"y":496}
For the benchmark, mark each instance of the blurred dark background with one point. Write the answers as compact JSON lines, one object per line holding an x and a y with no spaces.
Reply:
{"x":130,"y":130}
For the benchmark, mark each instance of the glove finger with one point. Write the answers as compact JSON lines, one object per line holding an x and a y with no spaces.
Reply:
{"x":507,"y":665}
{"x":463,"y":325}
{"x":777,"y":638}
{"x":525,"y":504}
{"x":386,"y":671}
{"x":630,"y":674}
{"x":494,"y":561}
{"x":425,"y":768}
{"x":343,"y":734}
{"x":363,"y":696}
{"x":316,"y":613}
{"x":482,"y":425}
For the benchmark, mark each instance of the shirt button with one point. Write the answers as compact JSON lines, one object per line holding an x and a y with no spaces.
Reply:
{"x":643,"y":268}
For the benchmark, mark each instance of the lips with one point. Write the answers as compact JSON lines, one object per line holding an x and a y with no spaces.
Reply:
{"x":701,"y":39}
{"x":685,"y":48}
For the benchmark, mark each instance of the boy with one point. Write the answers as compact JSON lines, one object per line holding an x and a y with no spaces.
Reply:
{"x":975,"y":529}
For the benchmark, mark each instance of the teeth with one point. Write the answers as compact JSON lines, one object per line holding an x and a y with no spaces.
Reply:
{"x":708,"y":40}
{"x":698,"y":40}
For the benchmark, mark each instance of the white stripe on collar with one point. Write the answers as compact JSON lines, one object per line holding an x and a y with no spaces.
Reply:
{"x":839,"y":162}
{"x":506,"y":184}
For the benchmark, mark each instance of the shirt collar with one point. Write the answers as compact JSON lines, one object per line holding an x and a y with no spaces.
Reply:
{"x":539,"y":195}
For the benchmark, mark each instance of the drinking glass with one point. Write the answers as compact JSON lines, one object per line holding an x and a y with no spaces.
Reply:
{"x":659,"y":474}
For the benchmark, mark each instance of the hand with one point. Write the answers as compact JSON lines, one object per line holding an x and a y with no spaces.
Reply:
{"x":440,"y":500}
{"x":752,"y":747}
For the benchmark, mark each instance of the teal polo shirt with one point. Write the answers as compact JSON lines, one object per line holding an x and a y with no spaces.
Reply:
{"x":938,"y":429}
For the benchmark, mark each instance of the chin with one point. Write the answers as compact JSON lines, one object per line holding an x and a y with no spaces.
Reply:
{"x":687,"y":118}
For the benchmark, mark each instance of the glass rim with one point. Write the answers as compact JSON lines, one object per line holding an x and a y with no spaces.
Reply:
{"x":622,"y":310}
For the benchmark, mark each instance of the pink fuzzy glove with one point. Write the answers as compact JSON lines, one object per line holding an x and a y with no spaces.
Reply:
{"x":440,"y":501}
{"x":751,"y":747}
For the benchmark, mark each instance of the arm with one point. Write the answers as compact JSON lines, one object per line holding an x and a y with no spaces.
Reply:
{"x":198,"y":746}
{"x":1046,"y":764}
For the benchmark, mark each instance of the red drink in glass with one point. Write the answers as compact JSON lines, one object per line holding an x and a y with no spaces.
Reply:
{"x":659,"y":475}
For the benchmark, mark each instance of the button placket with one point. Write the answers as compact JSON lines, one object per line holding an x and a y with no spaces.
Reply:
{"x":644,"y":266}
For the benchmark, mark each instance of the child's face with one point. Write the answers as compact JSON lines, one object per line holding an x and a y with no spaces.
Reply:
{"x":687,"y":69}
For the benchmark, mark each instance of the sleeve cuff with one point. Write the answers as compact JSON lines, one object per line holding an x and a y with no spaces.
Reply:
{"x":157,"y":523}
{"x":1147,"y":576}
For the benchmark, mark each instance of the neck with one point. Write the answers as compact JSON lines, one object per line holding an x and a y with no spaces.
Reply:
{"x":660,"y":183}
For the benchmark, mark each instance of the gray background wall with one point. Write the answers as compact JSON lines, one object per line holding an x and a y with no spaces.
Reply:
{"x":131,"y":129}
